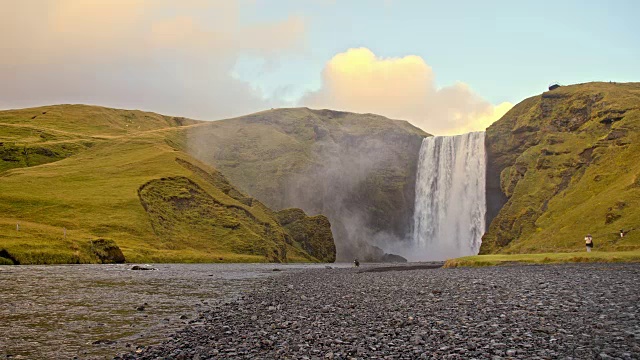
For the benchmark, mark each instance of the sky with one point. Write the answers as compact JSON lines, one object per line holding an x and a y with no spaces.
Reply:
{"x":448,"y":67}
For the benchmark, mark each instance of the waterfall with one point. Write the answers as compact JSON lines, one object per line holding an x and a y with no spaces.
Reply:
{"x":450,"y":204}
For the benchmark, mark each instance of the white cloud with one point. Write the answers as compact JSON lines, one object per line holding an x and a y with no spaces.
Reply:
{"x":178,"y":58}
{"x":401,"y":88}
{"x":164,"y":56}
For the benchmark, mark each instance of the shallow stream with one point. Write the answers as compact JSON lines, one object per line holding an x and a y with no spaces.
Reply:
{"x":96,"y":311}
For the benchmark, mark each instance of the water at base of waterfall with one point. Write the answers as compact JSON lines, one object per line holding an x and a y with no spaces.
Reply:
{"x":450,"y":203}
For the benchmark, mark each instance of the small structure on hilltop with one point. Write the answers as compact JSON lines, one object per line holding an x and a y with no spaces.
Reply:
{"x":554,"y":86}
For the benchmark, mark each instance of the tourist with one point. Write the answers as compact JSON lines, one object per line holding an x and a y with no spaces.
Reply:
{"x":356,"y":262}
{"x":589,"y":242}
{"x":621,"y":233}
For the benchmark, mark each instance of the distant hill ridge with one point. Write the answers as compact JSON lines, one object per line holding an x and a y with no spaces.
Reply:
{"x":357,"y":169}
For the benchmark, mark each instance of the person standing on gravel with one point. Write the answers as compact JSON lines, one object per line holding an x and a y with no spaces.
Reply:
{"x":589,"y":242}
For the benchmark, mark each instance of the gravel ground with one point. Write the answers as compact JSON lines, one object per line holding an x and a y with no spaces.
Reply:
{"x":580,"y":311}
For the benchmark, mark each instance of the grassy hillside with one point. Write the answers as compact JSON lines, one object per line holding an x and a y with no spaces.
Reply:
{"x":568,"y":163}
{"x":357,"y":169}
{"x":545,"y":258}
{"x":120,"y":177}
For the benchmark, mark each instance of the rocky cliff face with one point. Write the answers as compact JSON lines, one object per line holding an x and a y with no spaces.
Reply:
{"x":563,"y":164}
{"x":357,"y":169}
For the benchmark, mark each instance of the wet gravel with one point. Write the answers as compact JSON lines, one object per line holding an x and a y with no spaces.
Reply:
{"x":96,"y":311}
{"x":579,"y":311}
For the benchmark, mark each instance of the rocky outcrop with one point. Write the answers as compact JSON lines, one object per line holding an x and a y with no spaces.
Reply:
{"x":107,"y":251}
{"x":180,"y":209}
{"x":7,"y":259}
{"x":313,"y":233}
{"x":392,"y":258}
{"x":559,"y":166}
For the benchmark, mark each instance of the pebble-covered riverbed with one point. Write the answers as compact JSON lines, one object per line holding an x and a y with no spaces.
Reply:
{"x":96,"y":311}
{"x":578,"y":311}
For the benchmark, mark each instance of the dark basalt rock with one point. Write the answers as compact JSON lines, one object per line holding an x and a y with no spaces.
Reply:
{"x":142,"y":267}
{"x":393,"y":258}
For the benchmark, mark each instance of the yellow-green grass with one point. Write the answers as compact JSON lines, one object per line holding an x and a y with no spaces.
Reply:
{"x":545,"y":258}
{"x":85,"y":120}
{"x":93,"y":192}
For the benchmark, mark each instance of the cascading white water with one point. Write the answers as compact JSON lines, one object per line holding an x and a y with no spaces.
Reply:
{"x":450,"y":207}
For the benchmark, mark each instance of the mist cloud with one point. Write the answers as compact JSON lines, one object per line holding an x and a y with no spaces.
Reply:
{"x":401,"y":88}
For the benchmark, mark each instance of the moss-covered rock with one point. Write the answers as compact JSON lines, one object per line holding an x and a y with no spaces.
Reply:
{"x":7,"y":259}
{"x":107,"y":251}
{"x":313,"y":233}
{"x":564,"y":164}
{"x":180,"y":210}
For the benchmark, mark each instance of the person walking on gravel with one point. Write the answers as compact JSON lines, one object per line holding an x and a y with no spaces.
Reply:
{"x":589,"y":242}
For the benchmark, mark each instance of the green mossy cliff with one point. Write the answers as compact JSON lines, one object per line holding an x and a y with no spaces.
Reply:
{"x":87,"y":184}
{"x":564,"y":164}
{"x":312,"y":233}
{"x":357,"y":169}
